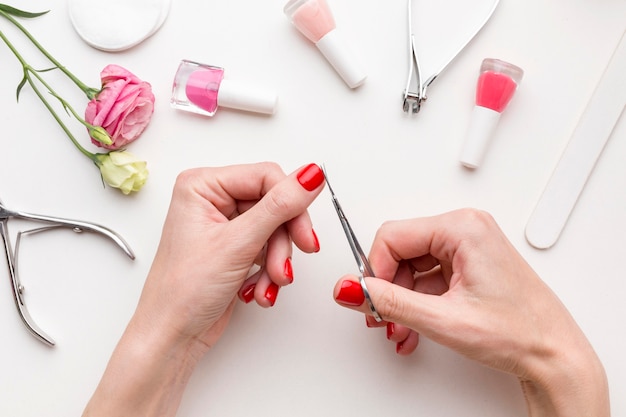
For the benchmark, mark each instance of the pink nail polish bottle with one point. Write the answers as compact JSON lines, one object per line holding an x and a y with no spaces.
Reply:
{"x":315,"y":20}
{"x":496,"y":86}
{"x":202,"y":89}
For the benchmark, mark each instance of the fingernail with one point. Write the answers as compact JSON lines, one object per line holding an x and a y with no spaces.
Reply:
{"x":248,"y":293}
{"x":310,"y":177}
{"x":391,"y":328}
{"x":288,"y":270}
{"x":271,"y":293}
{"x":316,"y":241}
{"x":399,"y":346}
{"x":350,"y":293}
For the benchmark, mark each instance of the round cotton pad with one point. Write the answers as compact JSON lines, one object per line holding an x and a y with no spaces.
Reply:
{"x":116,"y":25}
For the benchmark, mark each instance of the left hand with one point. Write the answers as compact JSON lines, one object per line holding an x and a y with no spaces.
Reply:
{"x":220,"y":221}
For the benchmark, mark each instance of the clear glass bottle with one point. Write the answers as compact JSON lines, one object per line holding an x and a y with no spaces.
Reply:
{"x":202,"y":89}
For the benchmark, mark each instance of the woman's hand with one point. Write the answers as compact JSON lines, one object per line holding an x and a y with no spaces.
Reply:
{"x":457,"y":280}
{"x":220,"y":222}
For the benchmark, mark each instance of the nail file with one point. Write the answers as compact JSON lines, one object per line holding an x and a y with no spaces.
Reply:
{"x":596,"y":125}
{"x":117,"y":25}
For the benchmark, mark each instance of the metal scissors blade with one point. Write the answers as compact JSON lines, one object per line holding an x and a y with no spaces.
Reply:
{"x":357,"y":251}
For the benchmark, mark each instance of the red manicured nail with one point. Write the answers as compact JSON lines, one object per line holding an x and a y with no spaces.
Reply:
{"x":288,"y":270}
{"x":350,"y":293}
{"x":248,"y":293}
{"x":271,"y":293}
{"x":316,"y":241}
{"x":391,"y":328}
{"x":311,"y":177}
{"x":399,"y":346}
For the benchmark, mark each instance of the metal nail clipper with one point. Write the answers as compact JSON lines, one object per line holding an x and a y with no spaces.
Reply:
{"x":414,"y":98}
{"x":357,"y":251}
{"x":12,"y":255}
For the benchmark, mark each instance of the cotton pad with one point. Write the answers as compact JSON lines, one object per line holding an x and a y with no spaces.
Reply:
{"x":116,"y":25}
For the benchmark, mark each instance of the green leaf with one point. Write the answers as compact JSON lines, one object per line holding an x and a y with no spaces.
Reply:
{"x":20,"y":13}
{"x":19,"y":87}
{"x":47,"y":69}
{"x":67,"y":110}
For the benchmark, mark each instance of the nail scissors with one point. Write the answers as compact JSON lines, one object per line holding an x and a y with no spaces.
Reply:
{"x":357,"y":251}
{"x":12,"y":255}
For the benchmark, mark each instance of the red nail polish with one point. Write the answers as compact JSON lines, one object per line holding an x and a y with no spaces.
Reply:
{"x":399,"y":346}
{"x":288,"y":270}
{"x":316,"y":241}
{"x":391,"y":328}
{"x":311,"y":177}
{"x":248,"y":293}
{"x":271,"y":293}
{"x":350,"y":293}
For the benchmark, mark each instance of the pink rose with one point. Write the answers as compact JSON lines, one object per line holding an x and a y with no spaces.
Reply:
{"x":123,"y":107}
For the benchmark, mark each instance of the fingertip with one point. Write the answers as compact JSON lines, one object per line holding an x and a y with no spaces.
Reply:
{"x":408,"y":345}
{"x":302,"y":233}
{"x":397,"y":332}
{"x":271,"y":293}
{"x":348,"y":292}
{"x":278,"y":260}
{"x":260,"y":288}
{"x":310,"y":177}
{"x":247,"y":293}
{"x":316,"y":242}
{"x":248,"y":289}
{"x":288,"y":270}
{"x":371,"y":322}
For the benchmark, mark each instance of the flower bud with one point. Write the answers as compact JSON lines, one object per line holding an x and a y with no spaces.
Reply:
{"x":121,"y":169}
{"x":100,"y":134}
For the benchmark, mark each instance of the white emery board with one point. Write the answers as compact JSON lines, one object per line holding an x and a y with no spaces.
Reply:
{"x":594,"y":128}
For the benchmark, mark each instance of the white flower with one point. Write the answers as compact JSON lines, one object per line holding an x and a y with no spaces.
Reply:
{"x":121,"y":169}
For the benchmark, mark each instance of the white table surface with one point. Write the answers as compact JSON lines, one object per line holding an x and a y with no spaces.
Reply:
{"x":307,"y":356}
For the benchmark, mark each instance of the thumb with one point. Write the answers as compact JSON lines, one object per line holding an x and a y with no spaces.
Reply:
{"x":285,"y":201}
{"x":423,"y":313}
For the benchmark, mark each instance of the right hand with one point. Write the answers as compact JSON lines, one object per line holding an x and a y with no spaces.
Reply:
{"x":456,"y":279}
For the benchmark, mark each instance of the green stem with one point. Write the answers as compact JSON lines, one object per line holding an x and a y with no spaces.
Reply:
{"x":89,"y":92}
{"x":27,"y":71}
{"x":56,"y":116}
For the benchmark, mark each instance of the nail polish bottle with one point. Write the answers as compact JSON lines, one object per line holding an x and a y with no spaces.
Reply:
{"x":202,"y":89}
{"x":496,"y":86}
{"x":315,"y":20}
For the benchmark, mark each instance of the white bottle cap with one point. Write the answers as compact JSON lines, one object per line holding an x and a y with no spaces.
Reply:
{"x":336,"y":51}
{"x":239,"y":96}
{"x":482,"y":126}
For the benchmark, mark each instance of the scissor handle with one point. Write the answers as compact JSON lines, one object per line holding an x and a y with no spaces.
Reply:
{"x":11,"y":255}
{"x":79,"y":226}
{"x":17,"y":288}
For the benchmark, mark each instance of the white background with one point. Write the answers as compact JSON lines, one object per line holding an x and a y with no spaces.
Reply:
{"x":307,"y":356}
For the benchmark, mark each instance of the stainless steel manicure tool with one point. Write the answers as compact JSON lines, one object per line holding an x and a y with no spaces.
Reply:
{"x":357,"y":251}
{"x":12,"y":255}
{"x":413,"y":98}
